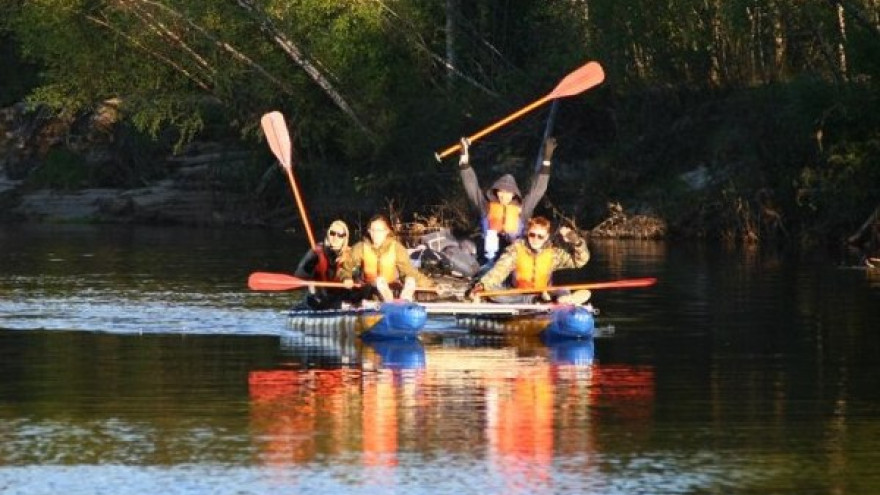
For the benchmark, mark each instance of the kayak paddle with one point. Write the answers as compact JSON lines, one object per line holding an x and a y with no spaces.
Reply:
{"x":282,"y":281}
{"x":278,"y":137}
{"x":617,"y":284}
{"x":582,"y":79}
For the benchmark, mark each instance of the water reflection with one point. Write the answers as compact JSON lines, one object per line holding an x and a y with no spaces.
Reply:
{"x":572,"y":352}
{"x":141,"y":363}
{"x":396,"y":354}
{"x":523,"y":400}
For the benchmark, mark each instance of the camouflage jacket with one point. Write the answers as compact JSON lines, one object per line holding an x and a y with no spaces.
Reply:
{"x":576,"y":256}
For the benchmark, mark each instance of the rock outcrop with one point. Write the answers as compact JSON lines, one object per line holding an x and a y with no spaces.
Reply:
{"x":188,"y":192}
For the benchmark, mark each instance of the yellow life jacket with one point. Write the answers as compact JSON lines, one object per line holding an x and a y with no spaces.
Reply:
{"x":503,"y":218}
{"x":533,"y":270}
{"x":384,"y":265}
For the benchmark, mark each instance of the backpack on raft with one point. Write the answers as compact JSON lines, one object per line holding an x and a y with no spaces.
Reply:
{"x":439,"y":253}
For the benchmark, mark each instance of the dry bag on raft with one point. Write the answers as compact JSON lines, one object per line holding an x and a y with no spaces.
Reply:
{"x":439,"y":253}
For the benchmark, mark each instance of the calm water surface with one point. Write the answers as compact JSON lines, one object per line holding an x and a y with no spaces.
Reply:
{"x":135,"y":360}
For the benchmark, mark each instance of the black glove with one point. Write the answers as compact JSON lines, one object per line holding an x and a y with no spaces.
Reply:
{"x":474,"y":289}
{"x":572,"y":237}
{"x":549,"y":148}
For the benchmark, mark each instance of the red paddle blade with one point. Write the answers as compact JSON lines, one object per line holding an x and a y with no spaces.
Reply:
{"x":278,"y":137}
{"x":281,"y":281}
{"x":584,"y":78}
{"x":273,"y":281}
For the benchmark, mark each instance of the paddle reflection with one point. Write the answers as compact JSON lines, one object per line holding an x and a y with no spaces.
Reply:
{"x":528,"y":401}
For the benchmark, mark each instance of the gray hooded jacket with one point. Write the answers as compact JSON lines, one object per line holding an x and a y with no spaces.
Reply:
{"x":505,"y":183}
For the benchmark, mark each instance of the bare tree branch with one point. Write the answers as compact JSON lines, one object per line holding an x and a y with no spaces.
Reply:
{"x":223,"y":45}
{"x":300,"y":59}
{"x":448,"y":62}
{"x":163,"y":32}
{"x":158,"y":56}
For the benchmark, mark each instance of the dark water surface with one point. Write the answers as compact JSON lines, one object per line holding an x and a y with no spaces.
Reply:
{"x":135,"y":360}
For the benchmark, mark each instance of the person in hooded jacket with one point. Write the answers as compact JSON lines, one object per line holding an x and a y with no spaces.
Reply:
{"x":322,"y":264}
{"x":502,"y":208}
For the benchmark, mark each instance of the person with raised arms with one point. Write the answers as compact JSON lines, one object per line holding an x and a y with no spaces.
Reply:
{"x":502,"y":208}
{"x":383,"y":264}
{"x":530,"y":262}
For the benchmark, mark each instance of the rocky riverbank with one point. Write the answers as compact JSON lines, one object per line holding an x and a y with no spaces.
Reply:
{"x":187,"y":192}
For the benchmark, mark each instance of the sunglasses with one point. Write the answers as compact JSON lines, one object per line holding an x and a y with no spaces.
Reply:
{"x":535,"y":235}
{"x":333,"y":233}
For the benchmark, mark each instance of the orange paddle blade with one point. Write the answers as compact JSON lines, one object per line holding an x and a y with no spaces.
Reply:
{"x":278,"y":137}
{"x":587,"y":76}
{"x":582,"y":79}
{"x":617,"y":284}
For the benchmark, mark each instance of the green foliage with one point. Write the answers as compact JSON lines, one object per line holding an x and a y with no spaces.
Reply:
{"x":842,"y":180}
{"x":62,"y":169}
{"x":754,"y":91}
{"x":19,"y":76}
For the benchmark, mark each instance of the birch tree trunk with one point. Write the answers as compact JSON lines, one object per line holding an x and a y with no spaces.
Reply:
{"x":713,"y":10}
{"x":754,"y":43}
{"x":869,"y":20}
{"x":295,"y":54}
{"x":841,"y":43}
{"x":779,"y":43}
{"x":451,"y":59}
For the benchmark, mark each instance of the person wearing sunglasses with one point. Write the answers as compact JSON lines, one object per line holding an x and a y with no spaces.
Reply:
{"x":530,"y":262}
{"x":322,"y":264}
{"x":383,"y":264}
{"x":502,"y":208}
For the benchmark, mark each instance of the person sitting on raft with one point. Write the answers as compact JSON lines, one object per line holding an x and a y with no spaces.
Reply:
{"x":322,"y":264}
{"x":383,"y":263}
{"x":503,"y":210}
{"x":529,"y":263}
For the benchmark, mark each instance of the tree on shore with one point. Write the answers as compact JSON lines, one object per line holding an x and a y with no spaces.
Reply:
{"x":378,"y":84}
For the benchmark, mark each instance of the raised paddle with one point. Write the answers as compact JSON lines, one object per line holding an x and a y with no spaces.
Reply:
{"x":617,"y":284}
{"x":582,"y":79}
{"x":279,"y":142}
{"x":282,"y":281}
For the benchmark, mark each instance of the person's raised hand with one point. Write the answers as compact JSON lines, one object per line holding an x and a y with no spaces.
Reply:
{"x":465,"y":157}
{"x":569,"y":235}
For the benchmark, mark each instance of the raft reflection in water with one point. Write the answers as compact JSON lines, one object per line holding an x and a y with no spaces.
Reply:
{"x":529,"y":402}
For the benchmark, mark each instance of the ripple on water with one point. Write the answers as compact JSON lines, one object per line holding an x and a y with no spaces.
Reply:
{"x":143,"y":313}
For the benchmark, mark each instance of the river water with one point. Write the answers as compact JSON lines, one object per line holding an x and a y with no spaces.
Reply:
{"x":135,"y":360}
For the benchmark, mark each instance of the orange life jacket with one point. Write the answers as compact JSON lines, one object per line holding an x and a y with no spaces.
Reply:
{"x":504,"y":218}
{"x":533,"y":270}
{"x":375,"y":266}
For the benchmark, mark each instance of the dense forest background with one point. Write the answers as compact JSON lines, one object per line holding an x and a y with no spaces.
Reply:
{"x":739,"y":119}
